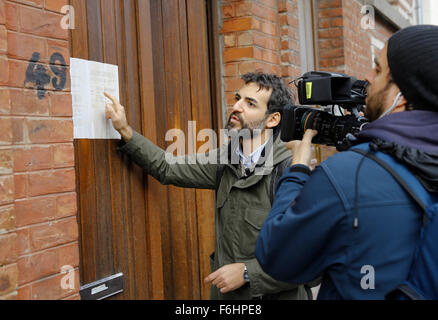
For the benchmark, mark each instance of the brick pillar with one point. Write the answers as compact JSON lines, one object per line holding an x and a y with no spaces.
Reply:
{"x":259,"y":36}
{"x":290,"y":40}
{"x":38,"y":226}
{"x":330,"y":45}
{"x":357,"y":43}
{"x":251,"y":41}
{"x":331,"y":35}
{"x":8,"y":234}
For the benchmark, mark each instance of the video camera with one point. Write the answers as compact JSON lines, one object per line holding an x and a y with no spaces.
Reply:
{"x":326,"y":89}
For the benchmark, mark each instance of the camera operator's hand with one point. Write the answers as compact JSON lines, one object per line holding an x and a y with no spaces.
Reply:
{"x":302,"y":150}
{"x":116,"y":112}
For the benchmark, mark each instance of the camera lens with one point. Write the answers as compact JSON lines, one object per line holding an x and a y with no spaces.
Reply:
{"x":307,"y":121}
{"x":332,"y":129}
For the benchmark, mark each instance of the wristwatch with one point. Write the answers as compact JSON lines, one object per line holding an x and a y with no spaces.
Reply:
{"x":245,"y":274}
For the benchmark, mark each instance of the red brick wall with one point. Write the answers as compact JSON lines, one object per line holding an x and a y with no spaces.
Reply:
{"x":290,"y":39}
{"x":330,"y":22}
{"x":38,"y":226}
{"x":357,"y":42}
{"x":358,"y":57}
{"x":258,"y":36}
{"x":343,"y":46}
{"x":264,"y":36}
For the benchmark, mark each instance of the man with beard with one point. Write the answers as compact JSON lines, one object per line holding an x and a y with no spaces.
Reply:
{"x":242,"y":197}
{"x":364,"y":226}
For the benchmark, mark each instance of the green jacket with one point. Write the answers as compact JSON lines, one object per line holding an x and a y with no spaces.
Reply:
{"x":242,"y":205}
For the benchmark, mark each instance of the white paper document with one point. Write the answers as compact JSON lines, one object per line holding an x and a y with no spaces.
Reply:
{"x":89,"y":80}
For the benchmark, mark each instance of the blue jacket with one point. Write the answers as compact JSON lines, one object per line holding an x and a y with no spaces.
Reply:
{"x":309,"y":231}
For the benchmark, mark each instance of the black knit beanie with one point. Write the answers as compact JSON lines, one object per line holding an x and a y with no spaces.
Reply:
{"x":413,"y":61}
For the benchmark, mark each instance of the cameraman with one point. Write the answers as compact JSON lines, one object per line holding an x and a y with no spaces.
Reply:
{"x":314,"y":229}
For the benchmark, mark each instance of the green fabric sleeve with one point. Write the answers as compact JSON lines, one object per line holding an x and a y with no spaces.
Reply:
{"x":182,"y":171}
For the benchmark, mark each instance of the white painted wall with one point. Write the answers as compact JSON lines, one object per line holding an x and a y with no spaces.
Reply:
{"x":430,"y":12}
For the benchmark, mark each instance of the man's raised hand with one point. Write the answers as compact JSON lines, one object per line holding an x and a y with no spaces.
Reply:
{"x":116,"y":112}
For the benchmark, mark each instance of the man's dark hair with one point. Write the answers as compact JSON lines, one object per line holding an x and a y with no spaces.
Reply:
{"x":281,"y":95}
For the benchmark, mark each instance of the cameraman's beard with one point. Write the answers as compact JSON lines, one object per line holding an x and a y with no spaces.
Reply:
{"x":375,"y":105}
{"x":250,"y":129}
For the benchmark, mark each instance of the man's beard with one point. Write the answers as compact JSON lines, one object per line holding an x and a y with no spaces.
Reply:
{"x":375,"y":104}
{"x":254,"y":128}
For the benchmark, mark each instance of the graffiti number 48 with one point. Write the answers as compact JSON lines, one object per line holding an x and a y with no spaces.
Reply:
{"x":38,"y":73}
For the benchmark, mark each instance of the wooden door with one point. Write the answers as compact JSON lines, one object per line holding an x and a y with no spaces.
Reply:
{"x":159,"y":237}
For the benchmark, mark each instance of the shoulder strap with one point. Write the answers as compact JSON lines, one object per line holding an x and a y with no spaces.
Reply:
{"x":276,"y":175}
{"x":396,"y":176}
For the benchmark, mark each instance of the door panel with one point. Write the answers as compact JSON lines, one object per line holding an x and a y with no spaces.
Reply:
{"x":159,"y":237}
